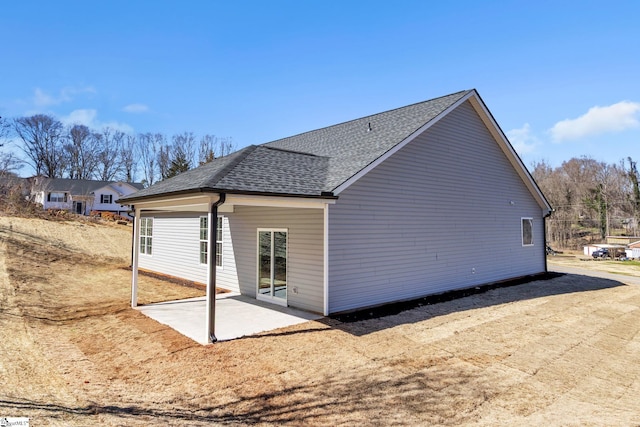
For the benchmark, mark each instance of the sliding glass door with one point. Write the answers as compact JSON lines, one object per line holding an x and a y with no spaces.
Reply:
{"x":272,"y":265}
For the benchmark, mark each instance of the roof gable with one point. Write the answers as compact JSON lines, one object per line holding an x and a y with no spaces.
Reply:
{"x":121,"y":187}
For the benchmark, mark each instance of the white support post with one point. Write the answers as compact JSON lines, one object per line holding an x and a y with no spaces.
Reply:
{"x":211,"y":290}
{"x":326,"y":260}
{"x":134,"y":261}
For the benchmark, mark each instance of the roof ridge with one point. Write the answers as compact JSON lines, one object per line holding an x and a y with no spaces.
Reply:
{"x":240,"y":156}
{"x":368,"y":116}
{"x":284,"y":150}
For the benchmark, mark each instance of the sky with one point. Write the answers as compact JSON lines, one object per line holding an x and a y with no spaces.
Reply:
{"x":561,"y":78}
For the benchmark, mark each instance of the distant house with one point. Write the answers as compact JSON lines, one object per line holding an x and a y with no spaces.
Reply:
{"x":81,"y":196}
{"x":621,"y":240}
{"x":358,"y":214}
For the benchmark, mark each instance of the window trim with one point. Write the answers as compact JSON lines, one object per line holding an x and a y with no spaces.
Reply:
{"x":147,"y":248}
{"x":522,"y":235}
{"x":270,"y":298}
{"x":204,"y":254}
{"x":219,"y":249}
{"x":109,"y":198}
{"x":62,"y":193}
{"x":219,"y":242}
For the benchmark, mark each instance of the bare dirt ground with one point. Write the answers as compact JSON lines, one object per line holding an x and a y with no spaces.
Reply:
{"x":564,"y":351}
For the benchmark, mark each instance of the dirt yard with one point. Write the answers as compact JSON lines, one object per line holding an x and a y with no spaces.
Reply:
{"x":564,"y":351}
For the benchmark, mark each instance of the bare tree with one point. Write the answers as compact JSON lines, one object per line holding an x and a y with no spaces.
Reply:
{"x":82,"y":152}
{"x":9,"y":163}
{"x":634,"y":197}
{"x":591,"y":200}
{"x":164,"y":160}
{"x":184,"y":144}
{"x":206,"y":149}
{"x":42,"y":138}
{"x":5,"y":129}
{"x":211,"y":147}
{"x":109,"y":163}
{"x":128,"y":157}
{"x":147,"y":150}
{"x":178,"y":156}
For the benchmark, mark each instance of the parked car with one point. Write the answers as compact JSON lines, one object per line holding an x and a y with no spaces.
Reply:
{"x":601,"y":253}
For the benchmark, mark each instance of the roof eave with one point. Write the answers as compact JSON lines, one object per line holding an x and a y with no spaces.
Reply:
{"x":133,"y":200}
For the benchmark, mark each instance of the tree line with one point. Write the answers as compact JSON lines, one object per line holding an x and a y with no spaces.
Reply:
{"x":79,"y":152}
{"x":591,"y":199}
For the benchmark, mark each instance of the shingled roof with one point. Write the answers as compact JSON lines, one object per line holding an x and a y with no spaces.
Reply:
{"x":76,"y":186}
{"x":311,"y":164}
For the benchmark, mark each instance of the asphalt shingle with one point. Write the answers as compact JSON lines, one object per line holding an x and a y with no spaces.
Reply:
{"x":76,"y":186}
{"x":309,"y":164}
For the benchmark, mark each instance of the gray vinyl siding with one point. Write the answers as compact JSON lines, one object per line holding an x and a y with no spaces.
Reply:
{"x":435,"y":216}
{"x":305,"y":266}
{"x":176,"y":250}
{"x":227,"y":275}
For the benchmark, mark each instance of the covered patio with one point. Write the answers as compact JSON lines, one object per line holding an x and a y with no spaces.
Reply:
{"x":248,"y":311}
{"x":236,"y":316}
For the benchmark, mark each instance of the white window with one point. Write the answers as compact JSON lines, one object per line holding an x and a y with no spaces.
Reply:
{"x":219,"y":242}
{"x":106,"y":198}
{"x":204,"y":240}
{"x":146,"y":235}
{"x":57,"y":197}
{"x":527,"y":231}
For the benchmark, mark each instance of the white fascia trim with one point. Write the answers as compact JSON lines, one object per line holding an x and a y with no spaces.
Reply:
{"x":199,"y":203}
{"x":399,"y":146}
{"x":508,"y":150}
{"x":277,"y":202}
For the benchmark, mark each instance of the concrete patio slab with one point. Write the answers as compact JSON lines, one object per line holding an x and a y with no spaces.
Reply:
{"x":236,"y":316}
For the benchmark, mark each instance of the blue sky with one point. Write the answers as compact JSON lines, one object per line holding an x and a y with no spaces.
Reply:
{"x":561,"y":78}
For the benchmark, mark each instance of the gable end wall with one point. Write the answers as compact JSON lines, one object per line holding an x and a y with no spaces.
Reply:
{"x":435,"y":216}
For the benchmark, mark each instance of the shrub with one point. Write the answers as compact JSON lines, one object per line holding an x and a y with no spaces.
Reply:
{"x":108,"y":216}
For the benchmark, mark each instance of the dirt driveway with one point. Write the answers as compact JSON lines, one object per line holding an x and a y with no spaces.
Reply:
{"x":558,"y":352}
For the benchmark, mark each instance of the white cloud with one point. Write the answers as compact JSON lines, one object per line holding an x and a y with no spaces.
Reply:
{"x":598,"y":120}
{"x":89,"y":118}
{"x":523,"y":140}
{"x":42,"y":99}
{"x":85,"y":117}
{"x":135,"y":108}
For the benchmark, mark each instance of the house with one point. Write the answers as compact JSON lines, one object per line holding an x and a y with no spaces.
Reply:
{"x":621,"y":240}
{"x":81,"y":196}
{"x":353,"y":215}
{"x":633,"y":250}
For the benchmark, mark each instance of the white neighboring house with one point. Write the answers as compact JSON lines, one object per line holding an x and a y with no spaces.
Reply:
{"x":81,"y":196}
